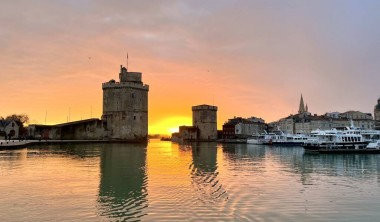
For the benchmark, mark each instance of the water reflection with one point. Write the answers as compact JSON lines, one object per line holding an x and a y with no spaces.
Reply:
{"x":309,"y":166}
{"x":123,"y":181}
{"x":355,"y":166}
{"x":204,"y":173}
{"x":241,"y":151}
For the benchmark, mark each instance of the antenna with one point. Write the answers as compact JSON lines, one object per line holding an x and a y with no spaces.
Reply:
{"x":127,"y":60}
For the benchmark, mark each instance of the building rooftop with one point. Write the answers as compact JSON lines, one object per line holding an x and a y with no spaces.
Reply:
{"x":204,"y":106}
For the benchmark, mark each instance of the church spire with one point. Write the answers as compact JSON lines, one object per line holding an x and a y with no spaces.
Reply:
{"x":302,"y":106}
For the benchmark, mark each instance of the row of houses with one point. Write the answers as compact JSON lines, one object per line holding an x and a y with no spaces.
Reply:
{"x":302,"y":122}
{"x":306,"y":123}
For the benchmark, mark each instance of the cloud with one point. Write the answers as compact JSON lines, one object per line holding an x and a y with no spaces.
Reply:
{"x":256,"y":55}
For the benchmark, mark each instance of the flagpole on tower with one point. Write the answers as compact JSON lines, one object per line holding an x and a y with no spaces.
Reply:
{"x":127,"y":61}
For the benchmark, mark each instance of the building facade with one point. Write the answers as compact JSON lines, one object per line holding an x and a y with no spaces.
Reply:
{"x":242,"y":128}
{"x":88,"y":129}
{"x":187,"y":133}
{"x":125,"y":107}
{"x":9,"y":129}
{"x":286,"y":124}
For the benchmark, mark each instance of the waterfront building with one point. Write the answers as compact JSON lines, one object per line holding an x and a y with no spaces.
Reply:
{"x":377,"y":115}
{"x":9,"y":128}
{"x":125,"y":107}
{"x":335,"y":115}
{"x":324,"y":122}
{"x":229,"y":130}
{"x":188,"y":133}
{"x":356,"y":115}
{"x":88,"y":129}
{"x":241,"y":128}
{"x":286,"y":124}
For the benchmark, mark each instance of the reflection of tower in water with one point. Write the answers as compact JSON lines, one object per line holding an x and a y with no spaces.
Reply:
{"x":204,"y":173}
{"x":123,"y":181}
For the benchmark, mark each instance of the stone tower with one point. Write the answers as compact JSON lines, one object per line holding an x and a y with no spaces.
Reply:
{"x":205,"y":119}
{"x":125,"y":108}
{"x":376,"y":114}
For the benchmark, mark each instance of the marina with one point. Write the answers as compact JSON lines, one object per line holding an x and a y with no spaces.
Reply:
{"x":206,"y":181}
{"x":264,"y":111}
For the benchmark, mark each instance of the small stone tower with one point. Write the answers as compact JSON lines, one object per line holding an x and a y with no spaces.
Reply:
{"x":205,"y":119}
{"x":125,"y":108}
{"x":376,"y":113}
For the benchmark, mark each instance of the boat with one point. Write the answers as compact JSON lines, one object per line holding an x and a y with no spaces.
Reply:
{"x":369,"y":135}
{"x":285,"y":139}
{"x":13,"y":144}
{"x":258,"y":139}
{"x":334,"y":140}
{"x":374,"y":145}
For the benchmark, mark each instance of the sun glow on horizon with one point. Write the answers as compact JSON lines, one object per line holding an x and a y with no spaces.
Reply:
{"x":169,"y":125}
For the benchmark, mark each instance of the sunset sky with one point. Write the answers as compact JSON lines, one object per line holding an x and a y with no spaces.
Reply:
{"x":249,"y":58}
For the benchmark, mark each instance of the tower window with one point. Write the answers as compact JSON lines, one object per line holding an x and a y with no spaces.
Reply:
{"x":134,"y":117}
{"x":133,"y":95}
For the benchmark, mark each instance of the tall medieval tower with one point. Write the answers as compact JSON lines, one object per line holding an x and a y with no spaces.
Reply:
{"x":125,"y":108}
{"x":205,"y":119}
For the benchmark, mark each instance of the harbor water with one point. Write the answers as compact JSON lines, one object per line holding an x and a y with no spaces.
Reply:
{"x":164,"y":181}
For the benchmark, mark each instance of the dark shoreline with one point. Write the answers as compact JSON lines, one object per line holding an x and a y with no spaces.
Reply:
{"x":17,"y":144}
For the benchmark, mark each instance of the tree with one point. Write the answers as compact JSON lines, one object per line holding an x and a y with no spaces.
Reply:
{"x":19,"y":118}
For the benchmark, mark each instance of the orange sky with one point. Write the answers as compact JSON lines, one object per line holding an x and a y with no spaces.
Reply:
{"x":247,"y":58}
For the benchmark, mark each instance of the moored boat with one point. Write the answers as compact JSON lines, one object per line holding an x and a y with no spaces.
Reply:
{"x":258,"y":139}
{"x":374,"y":145}
{"x":285,"y":139}
{"x":334,"y":140}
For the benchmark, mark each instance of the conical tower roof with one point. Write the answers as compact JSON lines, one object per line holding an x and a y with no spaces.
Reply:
{"x":302,"y":106}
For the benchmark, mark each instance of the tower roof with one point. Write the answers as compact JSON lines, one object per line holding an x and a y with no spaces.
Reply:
{"x":302,"y":106}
